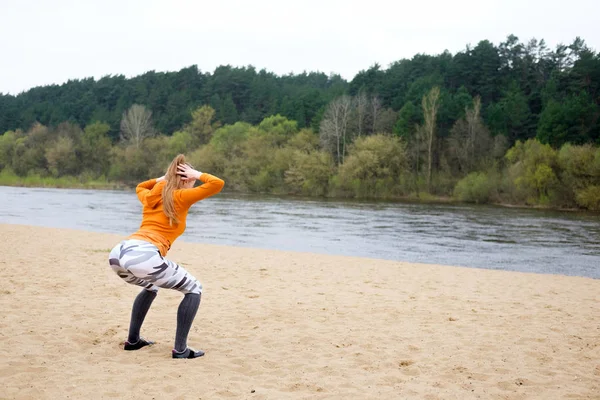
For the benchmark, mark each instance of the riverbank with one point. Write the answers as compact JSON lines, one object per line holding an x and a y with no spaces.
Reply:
{"x":35,"y":181}
{"x":292,"y":325}
{"x":8,"y":178}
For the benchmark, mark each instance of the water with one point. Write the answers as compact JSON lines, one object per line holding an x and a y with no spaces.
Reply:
{"x":472,"y":236}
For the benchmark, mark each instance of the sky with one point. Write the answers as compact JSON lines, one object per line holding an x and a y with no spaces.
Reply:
{"x":45,"y":42}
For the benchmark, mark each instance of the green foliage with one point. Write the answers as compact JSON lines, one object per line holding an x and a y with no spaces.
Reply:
{"x":202,"y":126}
{"x":305,"y":141}
{"x":278,"y":125}
{"x":589,"y":198}
{"x":7,"y":149}
{"x":527,"y":91}
{"x":474,"y":188}
{"x":408,"y":117}
{"x":580,"y":170}
{"x":235,"y":94}
{"x":309,"y":173}
{"x":181,"y":142}
{"x":573,"y":120}
{"x":253,"y":128}
{"x":61,"y":157}
{"x":228,"y":138}
{"x":533,"y":170}
{"x":258,"y":171}
{"x":377,"y":156}
{"x":29,"y":151}
{"x":9,"y":178}
{"x":96,"y":149}
{"x":373,"y":166}
{"x":132,"y":165}
{"x":511,"y":115}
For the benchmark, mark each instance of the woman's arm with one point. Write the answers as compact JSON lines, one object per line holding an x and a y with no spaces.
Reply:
{"x":211,"y":185}
{"x":144,"y":188}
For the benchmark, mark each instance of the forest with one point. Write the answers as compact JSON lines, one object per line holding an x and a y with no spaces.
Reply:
{"x":514,"y":123}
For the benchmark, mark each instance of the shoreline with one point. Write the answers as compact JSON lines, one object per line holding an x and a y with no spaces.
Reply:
{"x":119,"y":186}
{"x":292,"y":253}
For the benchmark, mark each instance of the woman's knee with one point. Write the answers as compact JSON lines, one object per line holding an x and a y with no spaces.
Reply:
{"x":189,"y":284}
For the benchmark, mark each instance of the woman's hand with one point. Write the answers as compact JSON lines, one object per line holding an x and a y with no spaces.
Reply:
{"x":187,"y":172}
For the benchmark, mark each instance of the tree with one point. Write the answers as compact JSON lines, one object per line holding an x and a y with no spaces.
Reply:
{"x":511,"y":116}
{"x":361,"y":105}
{"x":29,"y":151}
{"x":374,"y":165}
{"x":580,"y":175}
{"x":385,"y":122}
{"x":136,"y":125}
{"x":533,"y":170}
{"x":309,"y":173}
{"x":181,"y":142}
{"x":430,"y":106}
{"x":229,"y":139}
{"x":228,"y":112}
{"x":279,"y":125}
{"x":334,"y":127}
{"x":96,"y":148}
{"x":61,"y":157}
{"x":375,"y":157}
{"x":470,"y":141}
{"x":407,"y":119}
{"x":375,"y":109}
{"x":7,"y":148}
{"x":574,"y":120}
{"x":202,"y":126}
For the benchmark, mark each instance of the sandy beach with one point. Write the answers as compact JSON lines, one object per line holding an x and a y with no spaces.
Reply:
{"x":283,"y":325}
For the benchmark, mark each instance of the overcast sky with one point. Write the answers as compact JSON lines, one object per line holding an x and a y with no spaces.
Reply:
{"x":50,"y":41}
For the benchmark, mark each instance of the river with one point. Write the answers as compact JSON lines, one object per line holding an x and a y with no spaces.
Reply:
{"x":489,"y":237}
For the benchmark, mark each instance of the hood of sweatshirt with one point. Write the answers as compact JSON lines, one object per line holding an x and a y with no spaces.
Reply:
{"x":155,"y":196}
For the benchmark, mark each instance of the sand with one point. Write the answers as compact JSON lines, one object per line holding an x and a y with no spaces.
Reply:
{"x":284,"y":325}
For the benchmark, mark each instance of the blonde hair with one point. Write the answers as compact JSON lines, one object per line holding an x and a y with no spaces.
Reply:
{"x":173,"y":182}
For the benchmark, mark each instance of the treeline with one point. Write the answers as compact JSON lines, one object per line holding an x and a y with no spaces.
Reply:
{"x":515,"y":123}
{"x":277,"y":156}
{"x":237,"y":94}
{"x":526,"y":89}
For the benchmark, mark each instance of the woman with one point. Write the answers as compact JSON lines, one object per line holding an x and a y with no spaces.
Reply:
{"x":139,"y":260}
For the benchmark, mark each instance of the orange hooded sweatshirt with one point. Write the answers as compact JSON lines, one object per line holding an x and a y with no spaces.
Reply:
{"x":155,"y":226}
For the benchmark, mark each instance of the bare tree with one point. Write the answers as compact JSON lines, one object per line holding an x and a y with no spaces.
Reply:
{"x":386,"y":120}
{"x":334,"y":126}
{"x":500,"y":146}
{"x":479,"y":141}
{"x":416,"y":144}
{"x":430,"y":105}
{"x":470,"y":141}
{"x":136,"y":125}
{"x":375,"y":112}
{"x":361,"y":104}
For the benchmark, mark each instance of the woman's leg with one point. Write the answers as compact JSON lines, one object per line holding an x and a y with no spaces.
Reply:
{"x":140,"y":308}
{"x":192,"y":290}
{"x":142,"y":265}
{"x":144,"y":299}
{"x":185,"y":316}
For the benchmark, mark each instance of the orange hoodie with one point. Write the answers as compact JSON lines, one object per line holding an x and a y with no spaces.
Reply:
{"x":155,"y":226}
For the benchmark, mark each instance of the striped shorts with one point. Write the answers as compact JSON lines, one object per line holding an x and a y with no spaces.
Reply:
{"x":140,"y":263}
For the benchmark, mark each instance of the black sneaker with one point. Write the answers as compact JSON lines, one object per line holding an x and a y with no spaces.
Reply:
{"x":137,"y":345}
{"x":188,"y":353}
